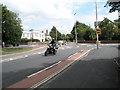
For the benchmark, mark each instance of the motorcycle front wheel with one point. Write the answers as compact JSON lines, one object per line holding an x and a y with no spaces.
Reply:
{"x":54,"y":52}
{"x":46,"y":53}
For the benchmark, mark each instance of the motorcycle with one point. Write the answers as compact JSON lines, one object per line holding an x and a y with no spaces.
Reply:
{"x":51,"y":50}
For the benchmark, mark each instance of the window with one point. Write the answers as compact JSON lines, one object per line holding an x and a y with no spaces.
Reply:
{"x":28,"y":35}
{"x":40,"y":35}
{"x":36,"y":35}
{"x":23,"y":35}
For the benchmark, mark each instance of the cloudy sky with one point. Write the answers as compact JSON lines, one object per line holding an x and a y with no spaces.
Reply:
{"x":44,"y":14}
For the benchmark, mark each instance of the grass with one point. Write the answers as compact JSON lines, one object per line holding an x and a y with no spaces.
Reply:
{"x":14,"y":50}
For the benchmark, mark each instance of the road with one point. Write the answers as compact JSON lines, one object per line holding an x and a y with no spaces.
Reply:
{"x":96,"y":70}
{"x":16,"y":69}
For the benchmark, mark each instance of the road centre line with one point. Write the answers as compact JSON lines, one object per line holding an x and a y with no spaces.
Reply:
{"x":24,"y":56}
{"x":82,"y":49}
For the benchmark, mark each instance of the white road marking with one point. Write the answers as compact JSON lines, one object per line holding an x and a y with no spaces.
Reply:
{"x":39,"y":52}
{"x":43,"y":69}
{"x":62,"y":48}
{"x":11,"y":58}
{"x":54,"y":74}
{"x":82,"y":50}
{"x":26,"y":55}
{"x":68,"y":47}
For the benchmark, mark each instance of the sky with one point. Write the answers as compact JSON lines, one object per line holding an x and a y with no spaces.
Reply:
{"x":44,"y":14}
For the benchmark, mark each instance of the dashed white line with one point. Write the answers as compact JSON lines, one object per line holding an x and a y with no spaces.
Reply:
{"x":26,"y":55}
{"x":82,"y":49}
{"x":39,"y":52}
{"x":11,"y":59}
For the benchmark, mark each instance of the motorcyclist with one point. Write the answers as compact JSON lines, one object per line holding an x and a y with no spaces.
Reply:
{"x":53,"y":42}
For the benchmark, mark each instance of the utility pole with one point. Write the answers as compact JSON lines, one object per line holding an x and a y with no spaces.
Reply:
{"x":97,"y":42}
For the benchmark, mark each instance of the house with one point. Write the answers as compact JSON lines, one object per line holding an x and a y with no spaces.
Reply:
{"x":35,"y":34}
{"x":47,"y":36}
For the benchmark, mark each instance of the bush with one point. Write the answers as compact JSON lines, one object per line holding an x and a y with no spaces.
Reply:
{"x":29,"y":40}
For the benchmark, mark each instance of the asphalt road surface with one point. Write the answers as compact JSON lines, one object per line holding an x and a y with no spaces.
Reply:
{"x":19,"y":68}
{"x":96,"y":70}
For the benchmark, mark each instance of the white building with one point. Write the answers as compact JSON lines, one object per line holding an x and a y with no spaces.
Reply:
{"x":35,"y":34}
{"x":47,"y":36}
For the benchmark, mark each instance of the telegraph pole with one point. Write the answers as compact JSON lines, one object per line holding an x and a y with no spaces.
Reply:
{"x":97,"y":42}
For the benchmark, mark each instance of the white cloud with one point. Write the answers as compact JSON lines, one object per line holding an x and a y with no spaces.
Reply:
{"x":52,"y":12}
{"x":89,"y":19}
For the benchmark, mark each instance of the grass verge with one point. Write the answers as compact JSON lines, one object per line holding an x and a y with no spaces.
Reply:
{"x":14,"y":50}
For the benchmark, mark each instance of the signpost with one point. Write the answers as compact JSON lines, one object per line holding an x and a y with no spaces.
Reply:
{"x":98,"y":31}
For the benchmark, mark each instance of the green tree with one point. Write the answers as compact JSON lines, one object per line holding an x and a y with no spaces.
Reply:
{"x":53,"y":33}
{"x":108,"y":28}
{"x":69,"y":37}
{"x":114,"y":6}
{"x":82,"y":30}
{"x":89,"y":35}
{"x":117,"y":29}
{"x":11,"y":27}
{"x":63,"y":37}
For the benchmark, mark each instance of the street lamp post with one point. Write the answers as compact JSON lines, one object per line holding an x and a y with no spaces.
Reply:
{"x":75,"y":31}
{"x":56,"y":34}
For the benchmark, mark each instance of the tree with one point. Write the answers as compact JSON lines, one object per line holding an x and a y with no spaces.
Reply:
{"x":117,"y":29}
{"x":114,"y":6}
{"x":11,"y":27}
{"x":53,"y":33}
{"x":82,"y":30}
{"x":89,"y":35}
{"x":63,"y":37}
{"x":69,"y":37}
{"x":109,"y":30}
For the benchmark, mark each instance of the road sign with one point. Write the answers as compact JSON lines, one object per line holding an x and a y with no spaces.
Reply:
{"x":98,"y":31}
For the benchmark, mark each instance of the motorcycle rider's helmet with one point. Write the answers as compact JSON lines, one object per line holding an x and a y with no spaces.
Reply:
{"x":53,"y":39}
